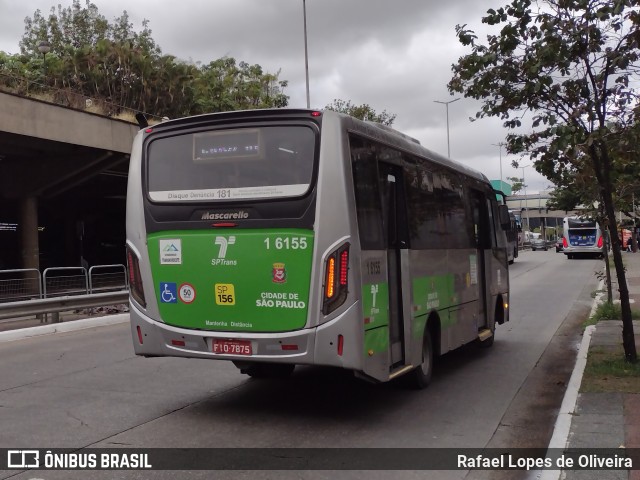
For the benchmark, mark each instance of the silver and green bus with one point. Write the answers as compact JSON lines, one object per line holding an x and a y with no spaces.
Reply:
{"x":275,"y":238}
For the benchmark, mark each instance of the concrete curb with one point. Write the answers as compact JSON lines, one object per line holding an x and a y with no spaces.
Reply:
{"x":561,"y":429}
{"x":560,"y":436}
{"x":73,"y":325}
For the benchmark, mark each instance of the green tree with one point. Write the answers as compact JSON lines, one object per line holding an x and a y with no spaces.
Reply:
{"x":517,"y":184}
{"x":225,"y":84}
{"x":363,"y":112}
{"x":123,"y":68}
{"x":568,"y":67}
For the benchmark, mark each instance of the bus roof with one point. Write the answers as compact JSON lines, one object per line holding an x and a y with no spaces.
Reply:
{"x":372,"y":129}
{"x":411,"y":145}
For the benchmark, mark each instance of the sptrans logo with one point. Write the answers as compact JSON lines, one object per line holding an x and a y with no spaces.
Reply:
{"x":223,"y":243}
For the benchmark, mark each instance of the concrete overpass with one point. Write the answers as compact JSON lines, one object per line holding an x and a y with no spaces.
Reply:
{"x":534,"y":210}
{"x":63,"y":173}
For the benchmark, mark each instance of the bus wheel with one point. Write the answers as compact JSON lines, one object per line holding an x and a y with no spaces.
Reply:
{"x":497,"y":319}
{"x":421,"y":376}
{"x":266,"y":370}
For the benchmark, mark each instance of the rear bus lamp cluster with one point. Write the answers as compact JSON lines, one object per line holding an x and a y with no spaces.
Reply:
{"x":135,"y":279}
{"x":600,"y":241}
{"x":336,"y":279}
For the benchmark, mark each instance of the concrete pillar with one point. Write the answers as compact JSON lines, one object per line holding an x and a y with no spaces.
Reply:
{"x":29,"y":233}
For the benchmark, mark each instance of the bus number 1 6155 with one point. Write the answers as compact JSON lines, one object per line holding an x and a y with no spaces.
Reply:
{"x":286,"y":243}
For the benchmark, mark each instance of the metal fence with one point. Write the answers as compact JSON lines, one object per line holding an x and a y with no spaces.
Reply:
{"x":28,"y":284}
{"x":108,"y":278}
{"x":20,"y":284}
{"x":64,"y":281}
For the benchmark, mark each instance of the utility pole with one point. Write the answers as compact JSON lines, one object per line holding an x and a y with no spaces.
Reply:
{"x":446,"y":104}
{"x":44,"y":47}
{"x":306,"y":53}
{"x":500,"y":145}
{"x":524,"y":185}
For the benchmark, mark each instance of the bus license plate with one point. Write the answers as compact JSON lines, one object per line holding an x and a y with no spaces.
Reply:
{"x":232,"y":347}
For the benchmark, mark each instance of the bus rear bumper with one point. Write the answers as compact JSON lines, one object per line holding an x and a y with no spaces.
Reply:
{"x":157,"y":339}
{"x":582,"y":250}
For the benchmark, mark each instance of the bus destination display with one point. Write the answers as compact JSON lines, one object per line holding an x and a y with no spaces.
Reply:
{"x":227,"y":144}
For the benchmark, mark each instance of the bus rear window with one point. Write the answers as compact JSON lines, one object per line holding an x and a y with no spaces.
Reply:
{"x":232,"y":164}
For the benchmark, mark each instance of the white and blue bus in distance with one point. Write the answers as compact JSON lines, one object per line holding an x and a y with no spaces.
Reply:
{"x":275,"y":238}
{"x":581,"y":237}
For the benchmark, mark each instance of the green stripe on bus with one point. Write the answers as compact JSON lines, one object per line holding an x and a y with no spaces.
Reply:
{"x":433,"y":293}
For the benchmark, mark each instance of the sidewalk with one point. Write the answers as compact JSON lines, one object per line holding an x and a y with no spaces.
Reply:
{"x":609,"y":420}
{"x":66,"y":316}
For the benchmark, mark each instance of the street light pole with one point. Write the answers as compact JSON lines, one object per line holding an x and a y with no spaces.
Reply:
{"x":446,"y":104}
{"x":524,"y":185}
{"x":44,"y":47}
{"x":500,"y":145}
{"x":306,"y":53}
{"x":623,"y":190}
{"x":634,"y":239}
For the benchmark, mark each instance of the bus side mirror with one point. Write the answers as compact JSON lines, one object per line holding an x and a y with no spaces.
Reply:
{"x":505,"y":220}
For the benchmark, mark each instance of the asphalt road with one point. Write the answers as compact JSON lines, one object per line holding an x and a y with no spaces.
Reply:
{"x":87,"y":389}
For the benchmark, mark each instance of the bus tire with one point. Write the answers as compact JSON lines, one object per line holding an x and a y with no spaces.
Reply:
{"x":488,"y":343}
{"x":498,"y":319}
{"x":267,"y":370}
{"x":421,"y":376}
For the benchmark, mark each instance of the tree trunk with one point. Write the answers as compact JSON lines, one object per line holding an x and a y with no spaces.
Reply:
{"x":607,"y":269}
{"x":628,"y":337}
{"x":606,"y":246}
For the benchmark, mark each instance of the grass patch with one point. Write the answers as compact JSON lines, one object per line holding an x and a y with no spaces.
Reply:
{"x":608,"y":371}
{"x":609,"y":311}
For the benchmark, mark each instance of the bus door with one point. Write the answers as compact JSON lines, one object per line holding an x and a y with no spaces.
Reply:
{"x":397,"y":245}
{"x":482,"y":235}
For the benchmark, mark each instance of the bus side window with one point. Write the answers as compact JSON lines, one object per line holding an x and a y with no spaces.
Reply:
{"x":481,"y":219}
{"x":367,"y":193}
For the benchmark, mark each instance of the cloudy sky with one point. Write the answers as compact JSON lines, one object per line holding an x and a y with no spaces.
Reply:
{"x":395,"y":55}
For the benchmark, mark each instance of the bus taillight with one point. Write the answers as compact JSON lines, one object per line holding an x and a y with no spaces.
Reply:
{"x":344,"y":267}
{"x":565,"y":244}
{"x":330,"y":281}
{"x":600,"y":242}
{"x":336,"y":279}
{"x":135,"y":279}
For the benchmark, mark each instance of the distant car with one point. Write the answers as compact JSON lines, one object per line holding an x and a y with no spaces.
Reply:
{"x":559,"y":245}
{"x":538,"y":244}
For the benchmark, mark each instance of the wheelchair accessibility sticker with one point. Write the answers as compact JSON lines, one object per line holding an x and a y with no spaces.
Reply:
{"x":168,"y":292}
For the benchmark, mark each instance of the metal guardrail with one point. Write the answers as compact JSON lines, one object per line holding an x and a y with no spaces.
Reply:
{"x":59,"y":304}
{"x":25,"y":292}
